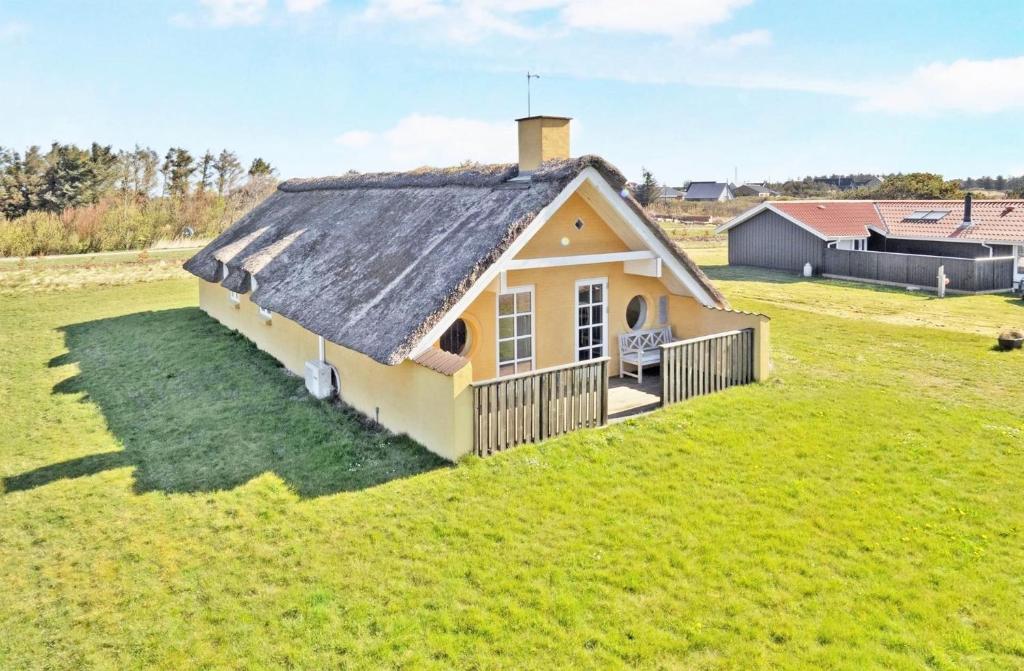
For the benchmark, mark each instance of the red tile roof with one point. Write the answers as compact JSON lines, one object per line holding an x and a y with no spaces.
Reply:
{"x":833,"y":218}
{"x":993,"y":220}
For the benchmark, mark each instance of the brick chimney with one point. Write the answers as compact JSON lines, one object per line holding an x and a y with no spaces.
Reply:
{"x":542,"y":138}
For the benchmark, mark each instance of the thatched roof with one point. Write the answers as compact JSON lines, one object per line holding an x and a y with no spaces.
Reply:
{"x":373,"y":262}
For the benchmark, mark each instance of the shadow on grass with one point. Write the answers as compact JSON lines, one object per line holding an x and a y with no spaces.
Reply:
{"x":198,"y":408}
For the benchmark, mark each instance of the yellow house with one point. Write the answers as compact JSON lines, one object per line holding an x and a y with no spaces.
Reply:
{"x":479,"y":307}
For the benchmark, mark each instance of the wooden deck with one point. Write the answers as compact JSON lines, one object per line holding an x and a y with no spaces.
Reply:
{"x":626,"y":397}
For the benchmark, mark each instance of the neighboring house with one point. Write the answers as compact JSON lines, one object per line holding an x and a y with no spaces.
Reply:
{"x":751,"y":189}
{"x":787,"y":234}
{"x":465,"y":305}
{"x":670,"y":193}
{"x":709,"y":191}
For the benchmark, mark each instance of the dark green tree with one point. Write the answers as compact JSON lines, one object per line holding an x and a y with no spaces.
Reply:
{"x":260,"y":168}
{"x":228,"y":169}
{"x":72,"y":178}
{"x":137,"y":173}
{"x":178,"y":168}
{"x":648,"y":190}
{"x":917,"y":186}
{"x":206,"y":171}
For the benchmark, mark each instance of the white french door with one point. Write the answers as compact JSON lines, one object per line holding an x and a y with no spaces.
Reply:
{"x":591,"y":319}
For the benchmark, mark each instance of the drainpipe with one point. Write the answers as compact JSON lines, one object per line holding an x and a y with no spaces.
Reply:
{"x":320,"y":345}
{"x":991,"y":252}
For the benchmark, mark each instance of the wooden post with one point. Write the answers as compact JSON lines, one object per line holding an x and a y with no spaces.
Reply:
{"x":942,"y":281}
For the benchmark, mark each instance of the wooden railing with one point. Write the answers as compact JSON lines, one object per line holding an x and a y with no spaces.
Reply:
{"x":705,"y":365}
{"x":530,"y":407}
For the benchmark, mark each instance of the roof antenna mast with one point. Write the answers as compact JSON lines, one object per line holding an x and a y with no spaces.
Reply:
{"x":529,"y":107}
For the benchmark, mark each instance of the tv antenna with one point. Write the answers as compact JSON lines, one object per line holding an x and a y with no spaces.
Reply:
{"x":529,"y":107}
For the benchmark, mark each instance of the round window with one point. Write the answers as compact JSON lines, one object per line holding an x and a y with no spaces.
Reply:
{"x":456,"y":339}
{"x":636,"y":312}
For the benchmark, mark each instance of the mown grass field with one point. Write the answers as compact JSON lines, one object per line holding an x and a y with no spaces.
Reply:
{"x":171,"y":499}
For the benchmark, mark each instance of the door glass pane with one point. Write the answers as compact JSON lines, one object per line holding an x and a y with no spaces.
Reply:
{"x":506,"y":350}
{"x":523,"y":325}
{"x":584,"y":354}
{"x":505,"y":327}
{"x":583,"y":319}
{"x":597,"y":293}
{"x":585,"y":295}
{"x":507,"y":369}
{"x":584,"y":339}
{"x":597,"y":335}
{"x":523,"y":302}
{"x":597,"y":314}
{"x":525,"y":366}
{"x":506,"y":304}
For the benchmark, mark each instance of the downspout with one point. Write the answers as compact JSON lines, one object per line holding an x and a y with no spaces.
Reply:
{"x":320,"y":346}
{"x":991,"y":252}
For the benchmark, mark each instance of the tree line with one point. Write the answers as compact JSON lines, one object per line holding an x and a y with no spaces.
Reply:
{"x":70,"y":199}
{"x":915,"y":185}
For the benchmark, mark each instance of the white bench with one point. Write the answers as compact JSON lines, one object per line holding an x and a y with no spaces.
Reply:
{"x":642,"y":348}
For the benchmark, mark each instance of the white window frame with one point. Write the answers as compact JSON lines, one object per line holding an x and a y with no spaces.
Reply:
{"x":603,"y":281}
{"x":234,"y":297}
{"x":516,"y":362}
{"x":266,"y":314}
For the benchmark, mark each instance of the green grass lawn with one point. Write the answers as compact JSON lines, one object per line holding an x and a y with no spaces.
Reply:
{"x":172,"y":499}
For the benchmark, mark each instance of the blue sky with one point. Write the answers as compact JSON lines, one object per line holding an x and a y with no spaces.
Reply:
{"x":691,"y":89}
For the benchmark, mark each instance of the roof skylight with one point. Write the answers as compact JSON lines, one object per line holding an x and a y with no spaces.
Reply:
{"x":926,"y":215}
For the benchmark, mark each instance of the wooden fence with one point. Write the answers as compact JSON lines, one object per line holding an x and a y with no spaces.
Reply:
{"x":530,"y":407}
{"x":705,"y":365}
{"x":983,"y":274}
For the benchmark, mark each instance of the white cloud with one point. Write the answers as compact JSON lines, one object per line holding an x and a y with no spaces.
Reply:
{"x":666,"y":17}
{"x":234,"y":12}
{"x":355,"y":138}
{"x":419,"y":140}
{"x":11,"y":30}
{"x":734,"y":43}
{"x":960,"y":86}
{"x":303,"y":6}
{"x":474,"y":20}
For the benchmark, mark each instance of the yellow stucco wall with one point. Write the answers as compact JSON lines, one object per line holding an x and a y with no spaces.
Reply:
{"x":596,"y":237}
{"x":435,"y":410}
{"x":696,"y":320}
{"x":282,"y":339}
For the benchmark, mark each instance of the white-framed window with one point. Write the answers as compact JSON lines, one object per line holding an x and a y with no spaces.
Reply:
{"x":265,"y":313}
{"x":515,"y":331}
{"x":233,"y":297}
{"x":860,"y":245}
{"x":636,"y":313}
{"x":591,"y":318}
